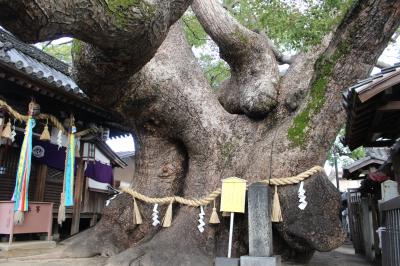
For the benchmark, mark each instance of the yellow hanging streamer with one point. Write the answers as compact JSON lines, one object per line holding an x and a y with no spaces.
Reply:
{"x":168,"y":215}
{"x":214,"y":219}
{"x":137,"y":217}
{"x":276,"y":208}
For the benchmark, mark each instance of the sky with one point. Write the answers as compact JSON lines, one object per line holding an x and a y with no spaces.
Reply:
{"x":122,"y":144}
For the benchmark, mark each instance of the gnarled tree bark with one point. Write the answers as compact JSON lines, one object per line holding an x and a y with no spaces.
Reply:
{"x":117,"y":37}
{"x":251,"y":89}
{"x":189,"y":141}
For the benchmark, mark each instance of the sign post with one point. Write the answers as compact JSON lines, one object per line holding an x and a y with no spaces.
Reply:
{"x":230,"y":235}
{"x":233,"y":199}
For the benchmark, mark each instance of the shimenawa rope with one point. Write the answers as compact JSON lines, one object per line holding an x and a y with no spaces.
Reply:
{"x":213,"y":195}
{"x":53,"y":120}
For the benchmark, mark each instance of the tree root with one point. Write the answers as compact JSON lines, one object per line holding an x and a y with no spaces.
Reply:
{"x":176,"y":245}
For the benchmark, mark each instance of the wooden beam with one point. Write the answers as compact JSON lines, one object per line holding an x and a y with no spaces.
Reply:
{"x":380,"y":143}
{"x":390,"y":106}
{"x":380,"y":85}
{"x":41,"y":174}
{"x":79,"y":183}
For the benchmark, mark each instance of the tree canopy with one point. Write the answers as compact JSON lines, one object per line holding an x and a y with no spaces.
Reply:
{"x":293,"y":26}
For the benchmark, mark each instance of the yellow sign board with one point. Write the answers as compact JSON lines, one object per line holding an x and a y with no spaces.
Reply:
{"x":233,"y":196}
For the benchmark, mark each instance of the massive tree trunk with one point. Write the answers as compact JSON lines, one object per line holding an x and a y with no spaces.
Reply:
{"x":259,"y":126}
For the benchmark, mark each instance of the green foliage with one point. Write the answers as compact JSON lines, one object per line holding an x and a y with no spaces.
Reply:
{"x":358,"y":153}
{"x":216,"y":71}
{"x":60,"y":51}
{"x":76,"y":47}
{"x":345,"y":156}
{"x":293,"y":25}
{"x":194,"y":32}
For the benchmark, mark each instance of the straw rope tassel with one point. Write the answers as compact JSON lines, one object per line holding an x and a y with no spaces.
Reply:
{"x":137,"y":217}
{"x":61,"y":210}
{"x":168,"y":215}
{"x":45,"y":136}
{"x":276,"y":208}
{"x":19,"y":217}
{"x":214,"y":219}
{"x":7,"y":131}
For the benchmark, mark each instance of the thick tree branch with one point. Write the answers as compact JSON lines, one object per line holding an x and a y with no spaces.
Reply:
{"x":352,"y":53}
{"x":280,"y":57}
{"x":171,"y":93}
{"x":295,"y":84}
{"x":123,"y":35}
{"x":254,"y":70}
{"x":92,"y":21}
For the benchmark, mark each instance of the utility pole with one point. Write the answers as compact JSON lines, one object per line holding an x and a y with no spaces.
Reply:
{"x":335,"y":156}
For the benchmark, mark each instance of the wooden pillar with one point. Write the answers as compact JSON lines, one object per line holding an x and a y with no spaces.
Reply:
{"x":41,"y":174}
{"x":78,"y":191}
{"x":93,"y":220}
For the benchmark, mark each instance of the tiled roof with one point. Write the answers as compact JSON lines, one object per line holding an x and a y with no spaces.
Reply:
{"x":125,"y":154}
{"x":43,"y":74}
{"x":366,"y":83}
{"x":353,"y":170}
{"x":32,"y":61}
{"x":372,"y":107}
{"x":103,"y":147}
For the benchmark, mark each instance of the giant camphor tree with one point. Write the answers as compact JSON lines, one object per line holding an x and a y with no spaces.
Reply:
{"x":133,"y":58}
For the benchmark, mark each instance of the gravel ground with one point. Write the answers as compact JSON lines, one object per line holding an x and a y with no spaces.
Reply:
{"x":343,"y":256}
